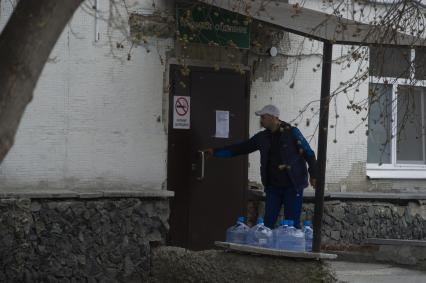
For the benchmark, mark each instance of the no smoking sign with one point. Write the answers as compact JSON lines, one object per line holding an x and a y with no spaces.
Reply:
{"x":182,"y":106}
{"x":181,"y":112}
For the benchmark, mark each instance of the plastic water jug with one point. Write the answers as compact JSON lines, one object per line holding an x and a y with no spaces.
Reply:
{"x":281,"y":236}
{"x":296,"y":238}
{"x":298,"y":241}
{"x":309,"y":235}
{"x":260,"y":235}
{"x":237,"y":234}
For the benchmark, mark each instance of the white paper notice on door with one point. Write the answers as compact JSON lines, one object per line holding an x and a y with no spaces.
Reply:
{"x":222,"y":124}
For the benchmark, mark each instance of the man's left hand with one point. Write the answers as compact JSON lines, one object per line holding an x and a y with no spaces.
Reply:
{"x":313,"y":182}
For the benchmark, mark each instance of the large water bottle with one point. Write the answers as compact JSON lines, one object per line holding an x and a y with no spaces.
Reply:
{"x":260,"y":235}
{"x":237,"y":234}
{"x":281,"y":236}
{"x":309,"y":235}
{"x":299,"y":241}
{"x":291,"y":242}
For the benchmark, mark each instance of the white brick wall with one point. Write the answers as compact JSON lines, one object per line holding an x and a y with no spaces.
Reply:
{"x":93,"y":119}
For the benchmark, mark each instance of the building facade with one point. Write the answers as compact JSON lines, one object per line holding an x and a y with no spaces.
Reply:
{"x":102,"y":118}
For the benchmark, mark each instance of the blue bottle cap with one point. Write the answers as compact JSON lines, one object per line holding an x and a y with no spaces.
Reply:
{"x":290,"y":222}
{"x":259,"y":220}
{"x":241,"y":219}
{"x":307,"y":223}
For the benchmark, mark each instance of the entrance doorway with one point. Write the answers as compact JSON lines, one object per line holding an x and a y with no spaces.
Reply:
{"x":209,"y":194}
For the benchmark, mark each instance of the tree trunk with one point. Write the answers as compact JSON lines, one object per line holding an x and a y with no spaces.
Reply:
{"x":25,"y":45}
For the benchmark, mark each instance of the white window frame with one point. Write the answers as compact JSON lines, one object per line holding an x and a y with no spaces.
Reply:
{"x":397,"y":170}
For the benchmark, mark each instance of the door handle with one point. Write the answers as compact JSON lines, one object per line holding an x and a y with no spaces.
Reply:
{"x":202,"y":165}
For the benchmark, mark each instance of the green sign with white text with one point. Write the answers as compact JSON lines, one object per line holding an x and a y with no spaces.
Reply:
{"x":210,"y":25}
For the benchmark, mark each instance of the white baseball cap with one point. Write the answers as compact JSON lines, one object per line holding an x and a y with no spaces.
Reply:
{"x":269,"y":109}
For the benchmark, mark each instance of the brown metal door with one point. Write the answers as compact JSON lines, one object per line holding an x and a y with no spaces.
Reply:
{"x":202,"y":209}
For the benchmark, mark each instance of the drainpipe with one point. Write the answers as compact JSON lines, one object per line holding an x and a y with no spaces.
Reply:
{"x":322,"y":143}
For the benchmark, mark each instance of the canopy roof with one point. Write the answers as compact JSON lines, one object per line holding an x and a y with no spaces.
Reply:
{"x":317,"y":25}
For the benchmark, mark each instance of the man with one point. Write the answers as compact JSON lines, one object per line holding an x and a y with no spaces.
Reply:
{"x":284,"y":153}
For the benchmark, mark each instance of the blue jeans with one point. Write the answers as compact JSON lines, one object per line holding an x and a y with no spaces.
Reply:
{"x":292,"y":200}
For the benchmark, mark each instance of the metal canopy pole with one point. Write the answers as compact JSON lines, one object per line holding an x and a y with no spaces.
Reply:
{"x":322,"y":143}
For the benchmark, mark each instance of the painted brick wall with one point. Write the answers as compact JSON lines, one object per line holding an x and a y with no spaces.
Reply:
{"x":96,"y":118}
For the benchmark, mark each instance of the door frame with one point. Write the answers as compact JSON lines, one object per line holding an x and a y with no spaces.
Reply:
{"x":167,"y":96}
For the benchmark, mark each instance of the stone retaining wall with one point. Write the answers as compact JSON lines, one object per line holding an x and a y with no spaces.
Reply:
{"x":351,"y":222}
{"x":75,"y":240}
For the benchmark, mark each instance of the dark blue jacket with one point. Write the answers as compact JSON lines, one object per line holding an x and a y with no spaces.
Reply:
{"x":295,"y":153}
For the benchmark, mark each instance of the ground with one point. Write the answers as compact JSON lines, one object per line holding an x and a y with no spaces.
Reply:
{"x":354,"y":272}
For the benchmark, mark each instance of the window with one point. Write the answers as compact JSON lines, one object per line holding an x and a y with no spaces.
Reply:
{"x":397,"y":113}
{"x":379,"y":124}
